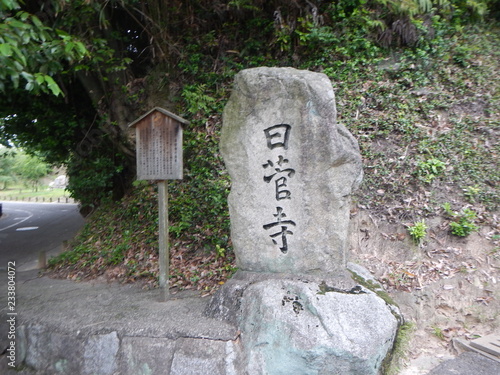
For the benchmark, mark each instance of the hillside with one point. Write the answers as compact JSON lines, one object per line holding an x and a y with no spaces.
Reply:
{"x":424,"y":221}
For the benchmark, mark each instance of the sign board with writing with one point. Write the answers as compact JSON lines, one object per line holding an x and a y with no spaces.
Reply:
{"x":159,"y":145}
{"x":159,"y":157}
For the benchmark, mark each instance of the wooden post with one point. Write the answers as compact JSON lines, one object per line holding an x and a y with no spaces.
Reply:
{"x":163,"y":239}
{"x":42,"y":260}
{"x":159,"y":158}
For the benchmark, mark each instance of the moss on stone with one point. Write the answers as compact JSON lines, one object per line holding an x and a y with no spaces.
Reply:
{"x":403,"y":335}
{"x":375,"y":288}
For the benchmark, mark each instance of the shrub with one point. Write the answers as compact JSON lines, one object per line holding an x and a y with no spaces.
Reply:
{"x":418,"y":231}
{"x":462,"y":223}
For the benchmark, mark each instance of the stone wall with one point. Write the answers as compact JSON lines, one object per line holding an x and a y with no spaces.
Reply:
{"x":41,"y":350}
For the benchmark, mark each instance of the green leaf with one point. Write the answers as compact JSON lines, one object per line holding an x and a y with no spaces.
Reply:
{"x":5,"y":49}
{"x":17,"y":66}
{"x":27,"y":76}
{"x":36,"y":21}
{"x":9,"y":4}
{"x":30,"y":86}
{"x":68,"y":48}
{"x":19,"y":56}
{"x":16,"y":24}
{"x":80,"y":47}
{"x":23,"y":16}
{"x":15,"y":79}
{"x":40,"y":78}
{"x":26,"y":37}
{"x":53,"y":86}
{"x":63,"y":34}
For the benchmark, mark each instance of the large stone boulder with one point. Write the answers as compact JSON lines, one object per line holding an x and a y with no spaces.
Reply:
{"x":293,"y":168}
{"x":60,"y":182}
{"x":295,"y":327}
{"x":307,"y":326}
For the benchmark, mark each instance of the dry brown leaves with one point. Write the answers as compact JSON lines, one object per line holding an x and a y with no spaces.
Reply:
{"x":205,"y":272}
{"x":413,"y":275}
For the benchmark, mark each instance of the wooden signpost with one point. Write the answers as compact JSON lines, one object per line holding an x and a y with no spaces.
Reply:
{"x":159,"y":158}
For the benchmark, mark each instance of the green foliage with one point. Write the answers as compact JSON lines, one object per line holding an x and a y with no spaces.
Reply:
{"x":8,"y":5}
{"x":196,"y":98}
{"x":401,"y":343}
{"x":469,"y":165}
{"x":91,"y":180}
{"x":33,"y":53}
{"x":123,"y":237}
{"x":220,"y":252}
{"x":447,"y":209}
{"x":462,"y":223}
{"x":202,"y":48}
{"x":243,"y":4}
{"x":418,"y":231}
{"x":31,"y":169}
{"x":61,"y":135}
{"x":438,"y":332}
{"x":120,"y":241}
{"x":7,"y":174}
{"x":429,"y":169}
{"x":472,"y":192}
{"x":92,"y":176}
{"x":199,"y":201}
{"x":46,"y":58}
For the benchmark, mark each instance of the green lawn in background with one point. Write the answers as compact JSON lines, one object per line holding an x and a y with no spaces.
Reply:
{"x":44,"y":193}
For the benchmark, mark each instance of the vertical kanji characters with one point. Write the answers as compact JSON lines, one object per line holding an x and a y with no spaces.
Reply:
{"x":281,"y":181}
{"x":278,"y":136}
{"x":282,"y":230}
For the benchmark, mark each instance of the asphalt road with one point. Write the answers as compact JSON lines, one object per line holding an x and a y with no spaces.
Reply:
{"x":28,"y":228}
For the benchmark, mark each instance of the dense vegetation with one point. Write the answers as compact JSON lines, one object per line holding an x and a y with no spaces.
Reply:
{"x":416,"y":83}
{"x":17,"y":167}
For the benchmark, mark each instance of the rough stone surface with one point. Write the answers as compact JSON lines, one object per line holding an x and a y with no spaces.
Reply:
{"x":199,"y":357}
{"x":52,"y":352}
{"x":100,"y":354}
{"x":94,"y":307}
{"x":291,"y":327}
{"x":467,"y":363}
{"x":146,"y":355}
{"x":70,"y":328}
{"x":225,"y":305}
{"x":60,"y":182}
{"x":292,"y":169}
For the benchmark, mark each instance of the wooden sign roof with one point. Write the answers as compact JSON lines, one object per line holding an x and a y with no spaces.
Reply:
{"x":161,"y":110}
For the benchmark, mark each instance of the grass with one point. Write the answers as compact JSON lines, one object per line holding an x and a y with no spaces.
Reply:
{"x":428,"y":125}
{"x":399,"y":353}
{"x":44,"y":193}
{"x":438,"y":332}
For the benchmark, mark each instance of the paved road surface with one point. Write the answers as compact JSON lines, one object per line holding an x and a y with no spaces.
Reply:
{"x":28,"y":228}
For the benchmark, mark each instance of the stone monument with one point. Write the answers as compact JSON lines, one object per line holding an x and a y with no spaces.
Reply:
{"x":293,"y":168}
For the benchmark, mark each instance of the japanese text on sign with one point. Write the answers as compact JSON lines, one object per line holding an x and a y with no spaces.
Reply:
{"x":279,"y":171}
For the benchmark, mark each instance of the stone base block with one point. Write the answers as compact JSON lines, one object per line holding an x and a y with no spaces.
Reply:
{"x":299,"y":326}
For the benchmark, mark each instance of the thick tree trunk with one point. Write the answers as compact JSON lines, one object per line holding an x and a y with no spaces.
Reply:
{"x":114,"y":115}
